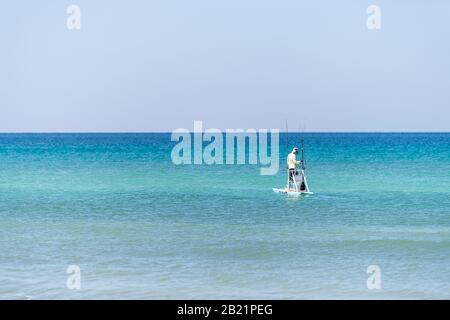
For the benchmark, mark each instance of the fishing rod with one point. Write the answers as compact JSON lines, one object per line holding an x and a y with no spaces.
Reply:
{"x":287,"y":137}
{"x":302,"y":142}
{"x":303,"y":154}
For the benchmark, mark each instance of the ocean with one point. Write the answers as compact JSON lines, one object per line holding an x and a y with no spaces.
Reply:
{"x":139,"y":227}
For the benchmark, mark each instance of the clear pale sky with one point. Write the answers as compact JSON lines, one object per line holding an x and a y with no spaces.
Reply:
{"x":141,"y":65}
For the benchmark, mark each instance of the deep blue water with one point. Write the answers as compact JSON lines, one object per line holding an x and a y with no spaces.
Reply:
{"x":140,"y":227}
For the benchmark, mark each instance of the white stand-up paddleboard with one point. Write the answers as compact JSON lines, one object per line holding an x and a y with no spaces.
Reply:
{"x":296,"y":187}
{"x":291,"y":192}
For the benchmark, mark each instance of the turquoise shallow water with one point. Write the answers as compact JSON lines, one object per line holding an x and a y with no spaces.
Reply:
{"x":140,"y":227}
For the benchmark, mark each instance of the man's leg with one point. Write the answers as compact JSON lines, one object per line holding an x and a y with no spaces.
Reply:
{"x":291,"y":178}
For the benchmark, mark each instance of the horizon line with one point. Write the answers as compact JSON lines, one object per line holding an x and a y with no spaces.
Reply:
{"x":169,"y":132}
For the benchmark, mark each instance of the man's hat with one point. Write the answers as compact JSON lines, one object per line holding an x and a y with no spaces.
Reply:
{"x":295,"y":149}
